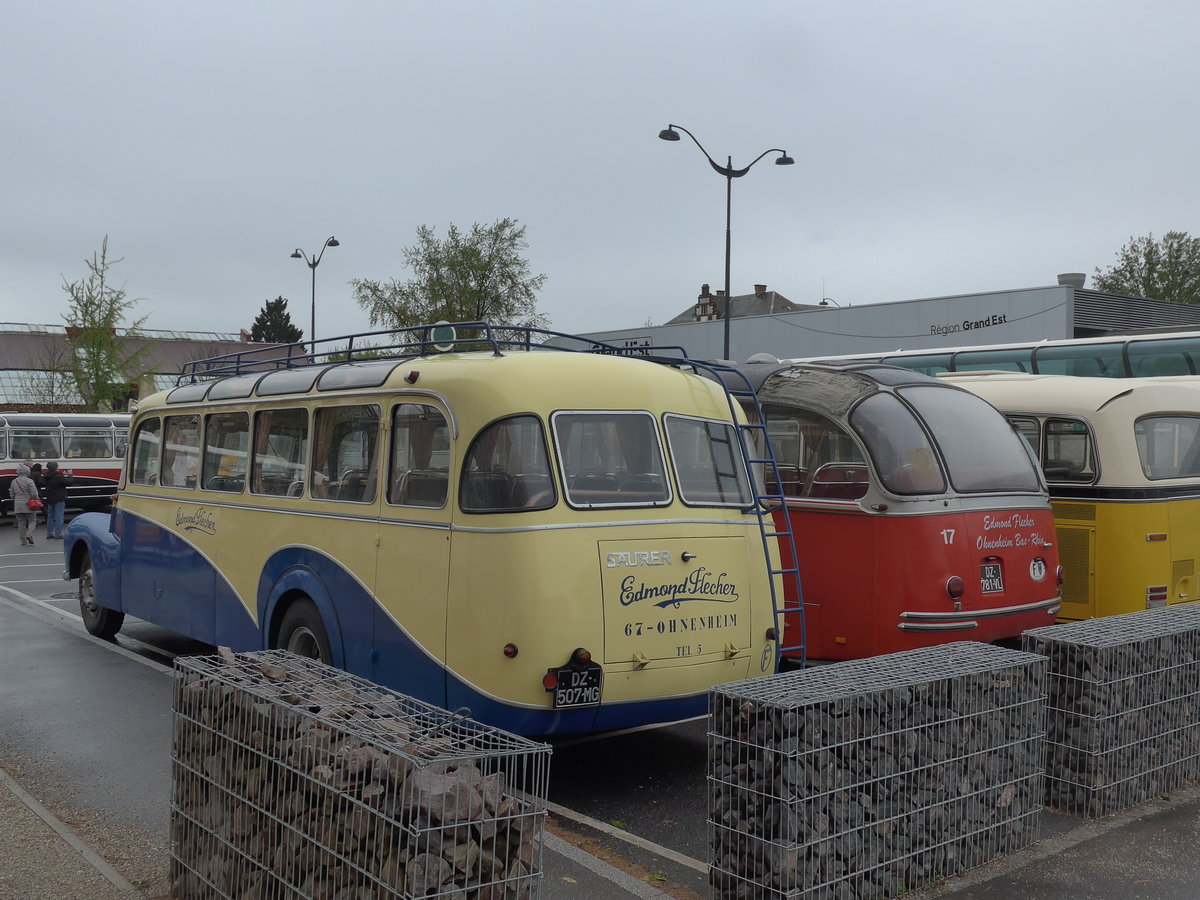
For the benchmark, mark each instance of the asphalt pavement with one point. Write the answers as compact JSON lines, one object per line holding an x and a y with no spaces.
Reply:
{"x":85,"y":730}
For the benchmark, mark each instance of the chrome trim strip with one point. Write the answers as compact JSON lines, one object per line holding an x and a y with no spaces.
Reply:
{"x":934,"y":626}
{"x":1051,"y":607}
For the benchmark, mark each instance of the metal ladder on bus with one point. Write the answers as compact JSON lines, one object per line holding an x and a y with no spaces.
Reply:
{"x":752,"y":435}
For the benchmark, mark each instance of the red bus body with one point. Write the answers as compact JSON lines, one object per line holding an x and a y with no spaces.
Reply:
{"x":919,"y":516}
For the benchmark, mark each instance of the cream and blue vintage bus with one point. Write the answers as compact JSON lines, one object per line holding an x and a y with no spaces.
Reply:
{"x":556,"y":541}
{"x":1122,"y":463}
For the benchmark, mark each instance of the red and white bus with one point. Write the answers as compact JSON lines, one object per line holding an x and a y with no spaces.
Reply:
{"x":92,"y":445}
{"x":920,"y":515}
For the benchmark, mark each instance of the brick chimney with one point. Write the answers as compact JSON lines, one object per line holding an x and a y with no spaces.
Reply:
{"x":760,"y":289}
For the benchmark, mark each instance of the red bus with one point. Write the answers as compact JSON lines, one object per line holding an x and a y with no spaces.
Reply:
{"x":920,"y":515}
{"x":92,"y":445}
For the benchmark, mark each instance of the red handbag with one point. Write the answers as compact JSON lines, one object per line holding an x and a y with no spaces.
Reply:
{"x":34,"y":503}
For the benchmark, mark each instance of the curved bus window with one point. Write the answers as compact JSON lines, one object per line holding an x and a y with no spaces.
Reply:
{"x":280,"y":450}
{"x":507,"y":468}
{"x":980,"y":448}
{"x":1069,"y":453}
{"x":708,"y":462}
{"x":610,"y":459}
{"x":146,"y":445}
{"x":419,"y":474}
{"x":181,"y":451}
{"x":1169,"y":446}
{"x":226,"y":445}
{"x":899,"y":446}
{"x":816,"y":457}
{"x":345,"y":453}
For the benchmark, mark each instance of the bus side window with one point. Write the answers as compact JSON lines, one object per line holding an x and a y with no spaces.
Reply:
{"x":345,"y":448}
{"x":419,"y":472}
{"x":181,"y":454}
{"x":226,"y":441}
{"x":280,"y":446}
{"x":144,"y":466}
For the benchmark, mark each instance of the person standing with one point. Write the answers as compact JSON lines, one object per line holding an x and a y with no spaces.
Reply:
{"x":22,"y":490}
{"x":55,"y":484}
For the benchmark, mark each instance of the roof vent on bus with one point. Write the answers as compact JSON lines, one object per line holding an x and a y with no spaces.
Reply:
{"x":1072,"y":279}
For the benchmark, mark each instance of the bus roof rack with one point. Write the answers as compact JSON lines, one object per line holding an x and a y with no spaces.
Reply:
{"x":410,"y":343}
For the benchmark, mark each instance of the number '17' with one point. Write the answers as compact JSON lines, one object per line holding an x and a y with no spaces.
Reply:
{"x":948,"y":535}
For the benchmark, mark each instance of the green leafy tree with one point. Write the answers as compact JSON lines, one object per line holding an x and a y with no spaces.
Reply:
{"x":1167,"y":269}
{"x":274,"y":324}
{"x":479,"y":275}
{"x":105,"y":356}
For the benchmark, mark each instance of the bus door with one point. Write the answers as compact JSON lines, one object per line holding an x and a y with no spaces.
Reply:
{"x":166,"y":564}
{"x":413,"y":562}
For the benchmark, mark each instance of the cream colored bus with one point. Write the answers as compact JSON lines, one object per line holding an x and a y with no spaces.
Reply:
{"x":1122,"y":462}
{"x":557,"y":541}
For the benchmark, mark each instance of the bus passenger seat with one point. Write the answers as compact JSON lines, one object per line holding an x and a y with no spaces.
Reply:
{"x":486,"y":490}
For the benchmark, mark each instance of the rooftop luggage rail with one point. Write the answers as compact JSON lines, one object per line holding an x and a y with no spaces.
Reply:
{"x":403,"y":343}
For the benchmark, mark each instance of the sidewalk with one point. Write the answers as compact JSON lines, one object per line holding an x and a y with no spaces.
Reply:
{"x":42,"y":859}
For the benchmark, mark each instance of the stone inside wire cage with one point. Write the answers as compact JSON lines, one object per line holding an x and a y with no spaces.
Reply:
{"x":1123,"y":708}
{"x":868,"y":778}
{"x":294,"y":779}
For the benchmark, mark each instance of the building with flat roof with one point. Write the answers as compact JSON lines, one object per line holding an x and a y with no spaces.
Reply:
{"x":796,"y":331}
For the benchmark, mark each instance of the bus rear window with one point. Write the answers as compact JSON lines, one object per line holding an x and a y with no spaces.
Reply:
{"x":507,"y":469}
{"x":708,"y":462}
{"x":610,"y":458}
{"x":1169,"y":446}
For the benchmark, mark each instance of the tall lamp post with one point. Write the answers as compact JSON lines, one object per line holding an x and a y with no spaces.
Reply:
{"x":313,"y":262}
{"x":670,"y":134}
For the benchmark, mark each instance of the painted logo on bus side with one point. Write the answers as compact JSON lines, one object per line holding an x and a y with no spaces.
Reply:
{"x":197,"y":520}
{"x":700,"y":585}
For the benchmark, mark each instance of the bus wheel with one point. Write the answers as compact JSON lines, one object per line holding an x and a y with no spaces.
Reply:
{"x":102,"y":622}
{"x":302,"y":632}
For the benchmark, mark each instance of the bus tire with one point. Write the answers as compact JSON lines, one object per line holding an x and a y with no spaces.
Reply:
{"x":302,"y":632}
{"x":98,"y":620}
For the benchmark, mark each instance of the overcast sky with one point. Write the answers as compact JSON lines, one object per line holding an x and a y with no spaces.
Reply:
{"x":940,"y":147}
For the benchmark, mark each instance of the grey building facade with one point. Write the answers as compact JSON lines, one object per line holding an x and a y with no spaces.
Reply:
{"x":1062,"y":310}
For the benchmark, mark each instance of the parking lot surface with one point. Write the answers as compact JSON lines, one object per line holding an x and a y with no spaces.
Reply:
{"x":85,"y":785}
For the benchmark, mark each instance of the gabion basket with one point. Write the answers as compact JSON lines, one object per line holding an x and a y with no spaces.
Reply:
{"x":1123,"y":707}
{"x":866,"y":778}
{"x":292,"y":779}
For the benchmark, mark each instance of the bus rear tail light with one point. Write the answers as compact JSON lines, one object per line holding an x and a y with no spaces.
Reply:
{"x":1156,"y":596}
{"x":1059,"y":576}
{"x":955,"y":587}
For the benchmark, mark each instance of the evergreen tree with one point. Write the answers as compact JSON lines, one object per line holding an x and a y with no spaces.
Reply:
{"x":274,"y":324}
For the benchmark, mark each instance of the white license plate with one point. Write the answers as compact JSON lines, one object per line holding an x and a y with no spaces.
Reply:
{"x":990,"y":579}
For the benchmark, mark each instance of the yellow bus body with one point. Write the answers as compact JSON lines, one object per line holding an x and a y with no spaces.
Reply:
{"x":1127,"y":520}
{"x":459,"y":608}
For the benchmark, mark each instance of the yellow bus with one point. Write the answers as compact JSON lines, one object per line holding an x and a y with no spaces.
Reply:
{"x":1122,"y":463}
{"x":556,"y":541}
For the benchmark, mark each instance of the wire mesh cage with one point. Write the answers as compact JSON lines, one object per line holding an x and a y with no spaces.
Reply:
{"x":866,"y":778}
{"x":294,"y":779}
{"x":1123,"y":708}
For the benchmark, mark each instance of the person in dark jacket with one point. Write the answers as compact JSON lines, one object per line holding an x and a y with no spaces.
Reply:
{"x":55,"y":484}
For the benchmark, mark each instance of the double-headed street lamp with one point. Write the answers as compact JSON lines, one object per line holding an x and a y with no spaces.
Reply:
{"x":670,"y":134}
{"x":313,"y":262}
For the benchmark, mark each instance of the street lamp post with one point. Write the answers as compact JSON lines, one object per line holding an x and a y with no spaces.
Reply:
{"x":313,"y":262}
{"x":670,"y":134}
